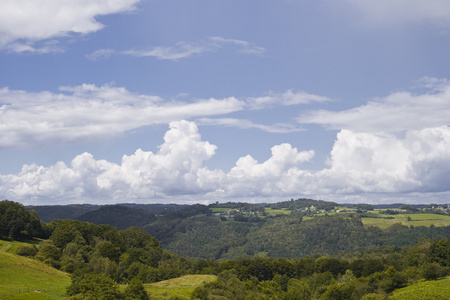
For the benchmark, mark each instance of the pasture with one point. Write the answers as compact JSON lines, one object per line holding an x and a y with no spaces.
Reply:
{"x":180,"y":287}
{"x":425,"y":290}
{"x":384,"y":221}
{"x":25,"y":278}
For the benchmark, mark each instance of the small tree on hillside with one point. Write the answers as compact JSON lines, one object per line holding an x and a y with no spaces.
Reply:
{"x":135,"y":290}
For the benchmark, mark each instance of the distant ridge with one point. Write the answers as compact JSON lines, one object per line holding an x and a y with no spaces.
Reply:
{"x":118,"y":216}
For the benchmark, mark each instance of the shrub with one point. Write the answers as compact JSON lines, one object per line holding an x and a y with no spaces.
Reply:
{"x":433,"y":271}
{"x":27,"y":250}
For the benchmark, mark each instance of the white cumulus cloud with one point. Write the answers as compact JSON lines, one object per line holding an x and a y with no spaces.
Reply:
{"x":361,"y":166}
{"x":177,"y":168}
{"x":384,"y":163}
{"x":25,"y":22}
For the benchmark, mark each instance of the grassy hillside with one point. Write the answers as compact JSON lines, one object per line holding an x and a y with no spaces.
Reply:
{"x":181,"y":287}
{"x":28,"y":275}
{"x":426,"y":290}
{"x":385,"y":221}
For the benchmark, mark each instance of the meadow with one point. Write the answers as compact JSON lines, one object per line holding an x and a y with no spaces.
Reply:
{"x":385,"y":221}
{"x":180,"y":287}
{"x":426,"y":290}
{"x":274,"y":212}
{"x":25,"y":278}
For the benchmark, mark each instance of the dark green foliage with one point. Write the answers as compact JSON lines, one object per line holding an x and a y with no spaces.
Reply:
{"x":400,"y":235}
{"x":17,"y":222}
{"x":100,"y":255}
{"x":230,"y":205}
{"x":48,"y":213}
{"x":227,"y":286}
{"x":364,"y":207}
{"x":191,"y":231}
{"x":48,"y":250}
{"x":156,"y":209}
{"x":120,"y":217}
{"x":94,"y":286}
{"x":330,"y":264}
{"x":101,"y":249}
{"x":135,"y":237}
{"x":366,"y":267}
{"x":291,"y":237}
{"x":299,"y":289}
{"x":433,"y":271}
{"x":189,"y":211}
{"x":27,"y":250}
{"x":205,"y":238}
{"x":108,"y":250}
{"x":304,"y":203}
{"x":286,"y":236}
{"x":135,"y":290}
{"x":440,"y":252}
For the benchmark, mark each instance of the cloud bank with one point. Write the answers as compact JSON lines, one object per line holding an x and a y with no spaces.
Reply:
{"x":361,"y":166}
{"x":395,"y":148}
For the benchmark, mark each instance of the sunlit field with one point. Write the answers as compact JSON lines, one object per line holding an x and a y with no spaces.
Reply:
{"x":25,"y":278}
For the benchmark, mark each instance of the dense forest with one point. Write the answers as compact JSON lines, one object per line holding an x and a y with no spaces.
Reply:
{"x":100,"y":257}
{"x":247,"y":230}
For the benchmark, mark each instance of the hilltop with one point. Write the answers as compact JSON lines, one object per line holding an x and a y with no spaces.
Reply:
{"x":286,"y":229}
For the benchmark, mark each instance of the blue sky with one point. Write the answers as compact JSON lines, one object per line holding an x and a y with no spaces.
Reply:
{"x":153,"y":101}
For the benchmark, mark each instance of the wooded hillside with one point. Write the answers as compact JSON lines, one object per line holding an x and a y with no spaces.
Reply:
{"x":99,"y":257}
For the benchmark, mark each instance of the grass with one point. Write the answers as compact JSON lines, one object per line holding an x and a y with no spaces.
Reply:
{"x":180,"y":287}
{"x":425,"y":290}
{"x":28,"y":275}
{"x":219,"y":209}
{"x":275,"y":212}
{"x":416,"y":220}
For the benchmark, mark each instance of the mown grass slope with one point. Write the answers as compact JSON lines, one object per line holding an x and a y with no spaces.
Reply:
{"x":28,"y":276}
{"x":181,"y":287}
{"x":426,"y":290}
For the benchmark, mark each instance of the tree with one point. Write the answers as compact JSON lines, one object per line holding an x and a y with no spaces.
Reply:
{"x":27,"y":250}
{"x":440,"y":252}
{"x":433,"y":271}
{"x":48,"y":251}
{"x":94,"y":286}
{"x":299,"y":289}
{"x":364,"y":206}
{"x":17,"y":222}
{"x":135,"y":290}
{"x":330,"y":264}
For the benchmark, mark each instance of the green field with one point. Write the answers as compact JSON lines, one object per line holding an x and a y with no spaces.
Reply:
{"x":416,"y":220}
{"x":181,"y":287}
{"x":426,"y":290}
{"x":274,"y":212}
{"x":28,"y":276}
{"x":219,"y":209}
